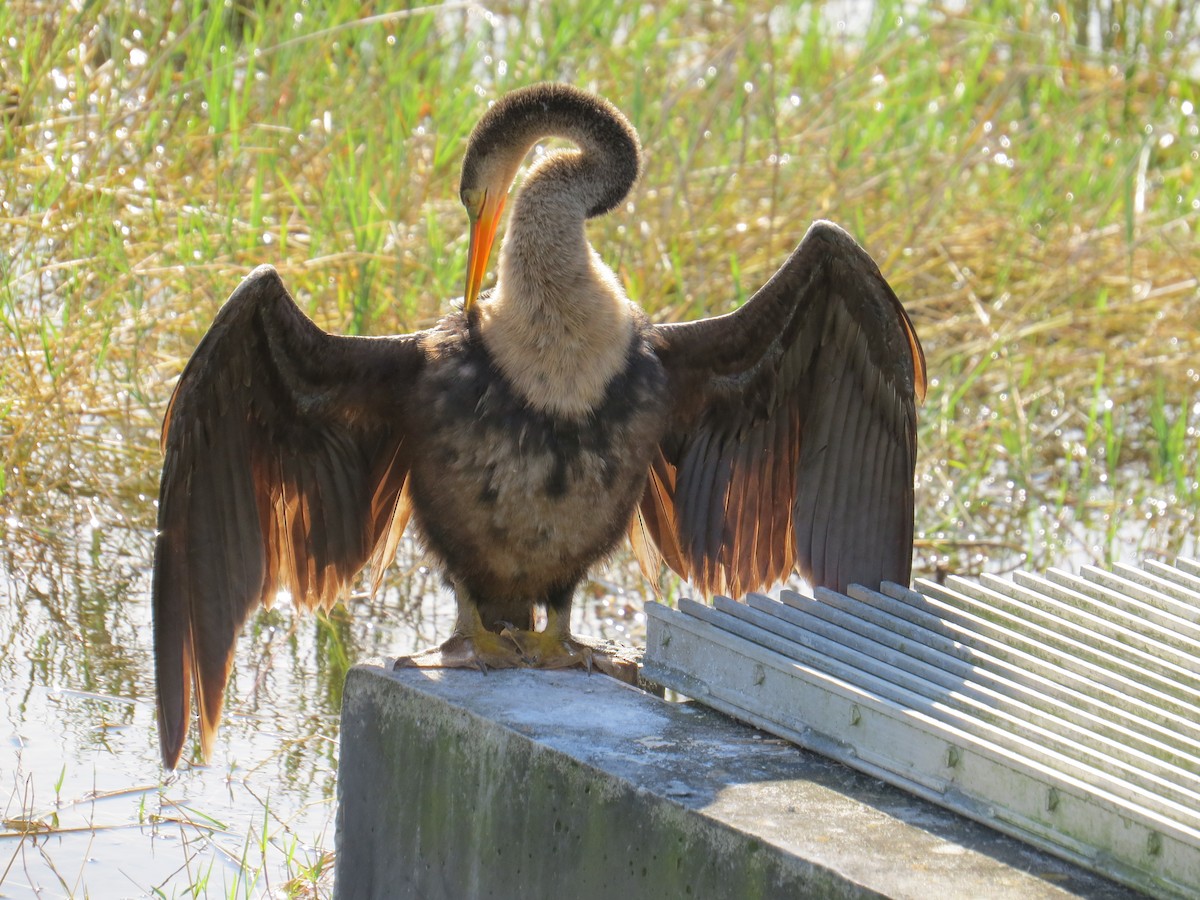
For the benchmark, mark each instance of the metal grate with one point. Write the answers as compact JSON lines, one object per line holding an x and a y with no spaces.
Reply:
{"x":1064,"y":709}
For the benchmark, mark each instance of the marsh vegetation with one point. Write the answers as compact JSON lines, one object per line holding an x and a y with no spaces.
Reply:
{"x":1027,"y":178}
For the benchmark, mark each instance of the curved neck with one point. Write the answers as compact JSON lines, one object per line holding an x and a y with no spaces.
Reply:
{"x":608,"y":145}
{"x":557,"y":323}
{"x":545,"y":251}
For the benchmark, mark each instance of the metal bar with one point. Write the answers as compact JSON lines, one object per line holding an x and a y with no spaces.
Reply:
{"x":1062,"y":709}
{"x":1153,"y":600}
{"x":1136,"y":777}
{"x":1042,"y":686}
{"x":1185,"y":572}
{"x":1136,"y":690}
{"x":980,"y":683}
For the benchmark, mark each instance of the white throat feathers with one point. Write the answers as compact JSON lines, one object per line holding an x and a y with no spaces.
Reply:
{"x":557,"y":323}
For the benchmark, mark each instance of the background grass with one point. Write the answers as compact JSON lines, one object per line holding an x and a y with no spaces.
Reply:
{"x":1025,"y":175}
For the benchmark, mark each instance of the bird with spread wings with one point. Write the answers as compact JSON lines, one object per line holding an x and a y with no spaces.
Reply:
{"x":529,"y":431}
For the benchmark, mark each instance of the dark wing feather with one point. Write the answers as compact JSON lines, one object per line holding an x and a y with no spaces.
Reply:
{"x":285,"y":465}
{"x":793,"y":438}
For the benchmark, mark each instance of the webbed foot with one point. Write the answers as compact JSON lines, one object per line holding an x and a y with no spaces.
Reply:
{"x":556,"y":648}
{"x":550,"y":649}
{"x":471,"y":648}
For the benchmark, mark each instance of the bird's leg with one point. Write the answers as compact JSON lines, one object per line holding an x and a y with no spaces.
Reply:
{"x":471,"y":646}
{"x":556,"y":648}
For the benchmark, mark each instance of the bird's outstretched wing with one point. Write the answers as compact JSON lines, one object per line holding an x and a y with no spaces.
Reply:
{"x":793,"y":438}
{"x":285,"y":464}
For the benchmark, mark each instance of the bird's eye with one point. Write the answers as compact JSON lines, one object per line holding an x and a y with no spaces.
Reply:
{"x":472,"y":199}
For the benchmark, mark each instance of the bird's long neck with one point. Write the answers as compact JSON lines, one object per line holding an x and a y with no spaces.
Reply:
{"x":558,"y":323}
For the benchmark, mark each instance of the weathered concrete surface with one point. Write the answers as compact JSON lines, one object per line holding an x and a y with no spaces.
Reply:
{"x":556,"y":784}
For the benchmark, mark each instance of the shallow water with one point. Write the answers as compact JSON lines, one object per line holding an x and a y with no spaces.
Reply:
{"x":79,"y":761}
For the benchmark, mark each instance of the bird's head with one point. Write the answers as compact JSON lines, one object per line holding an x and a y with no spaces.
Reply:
{"x":491,"y":162}
{"x":505,"y":134}
{"x":485,"y":203}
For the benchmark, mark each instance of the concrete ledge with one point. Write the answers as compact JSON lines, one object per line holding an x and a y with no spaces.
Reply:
{"x":541,"y":784}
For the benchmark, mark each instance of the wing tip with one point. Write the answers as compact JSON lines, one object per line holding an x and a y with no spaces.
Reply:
{"x":261,"y":280}
{"x":832,"y":233}
{"x":170,"y":740}
{"x":263,"y":272}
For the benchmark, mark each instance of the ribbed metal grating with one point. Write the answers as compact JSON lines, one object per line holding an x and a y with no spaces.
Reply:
{"x":1063,"y":709}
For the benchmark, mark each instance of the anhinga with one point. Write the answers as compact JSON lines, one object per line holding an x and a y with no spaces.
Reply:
{"x":528,"y":431}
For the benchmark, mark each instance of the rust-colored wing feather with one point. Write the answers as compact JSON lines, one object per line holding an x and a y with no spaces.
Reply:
{"x":793,"y":438}
{"x":284,"y":469}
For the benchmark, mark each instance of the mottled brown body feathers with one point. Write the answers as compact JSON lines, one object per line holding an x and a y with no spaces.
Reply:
{"x":527,"y":434}
{"x":516,"y":502}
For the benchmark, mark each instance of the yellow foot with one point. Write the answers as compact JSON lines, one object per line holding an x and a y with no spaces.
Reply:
{"x":480,"y":649}
{"x":550,"y":649}
{"x":559,"y":649}
{"x":474,"y":647}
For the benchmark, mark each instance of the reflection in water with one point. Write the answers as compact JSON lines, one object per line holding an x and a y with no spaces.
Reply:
{"x":79,"y":764}
{"x":80,"y":760}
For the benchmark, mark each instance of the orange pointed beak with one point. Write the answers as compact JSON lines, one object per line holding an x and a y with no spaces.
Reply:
{"x":483,"y":235}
